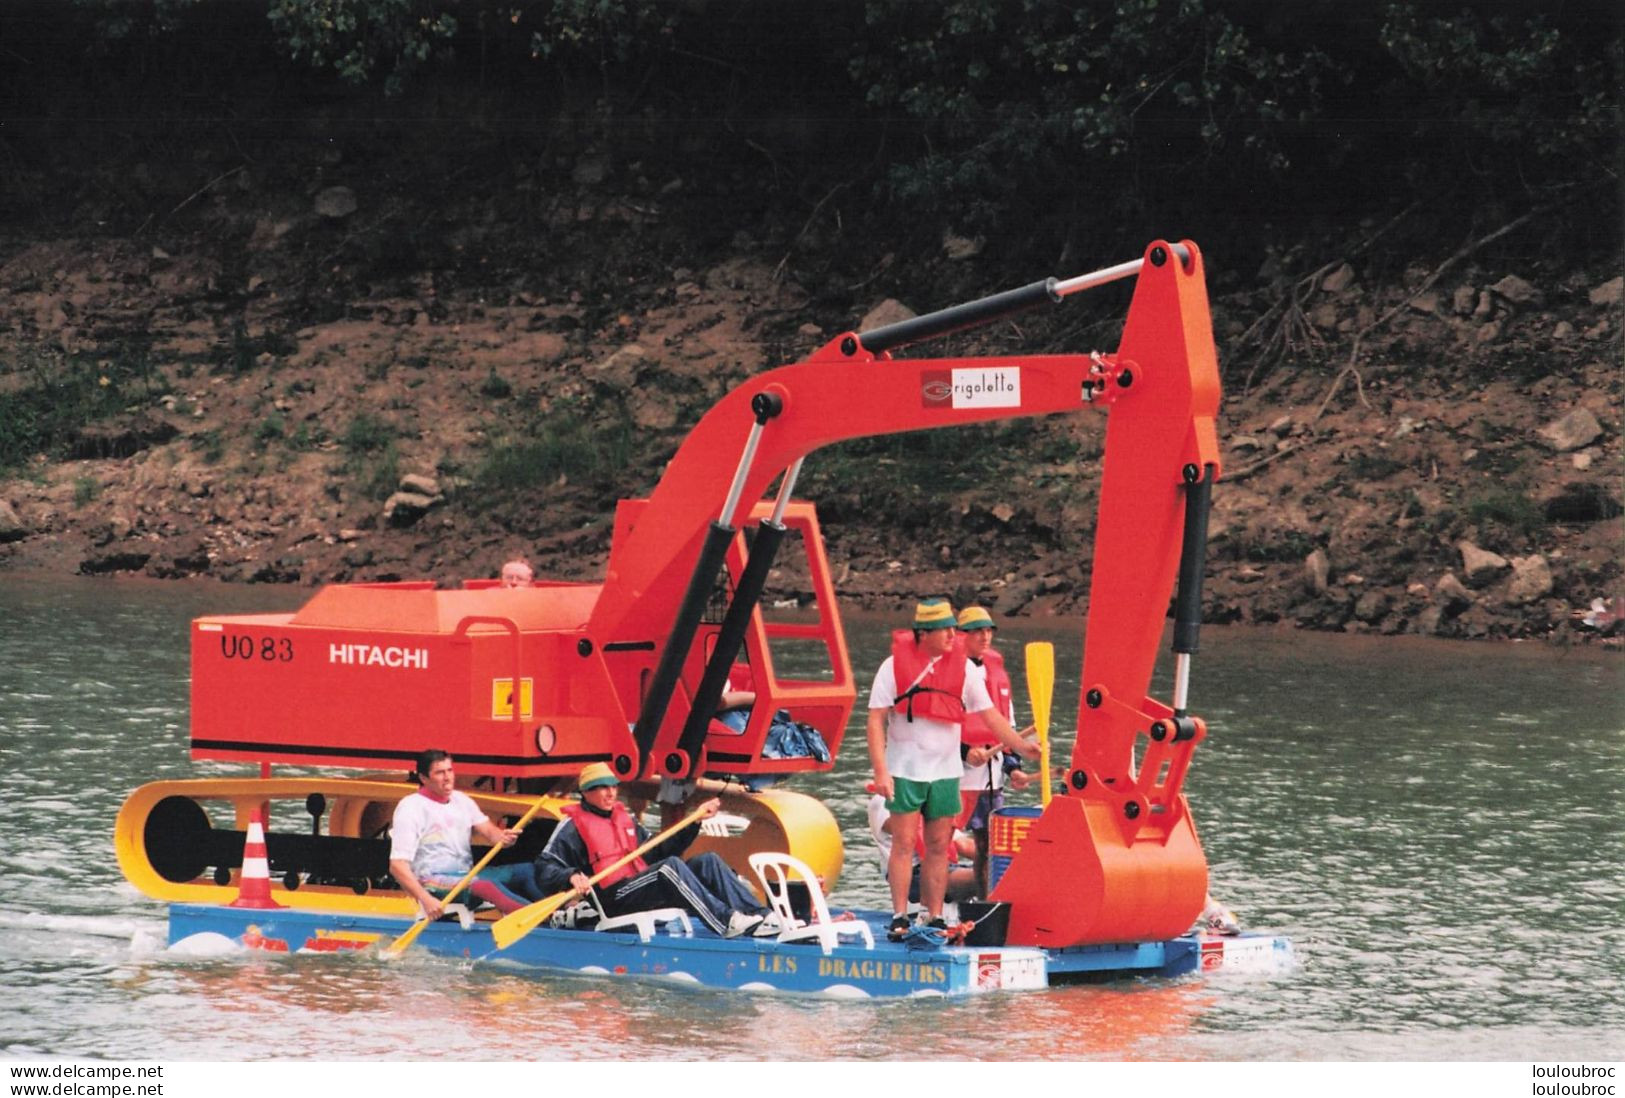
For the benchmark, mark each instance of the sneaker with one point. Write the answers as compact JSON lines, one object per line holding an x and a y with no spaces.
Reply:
{"x":769,"y":927}
{"x":899,"y":928}
{"x":741,"y":923}
{"x":939,"y":923}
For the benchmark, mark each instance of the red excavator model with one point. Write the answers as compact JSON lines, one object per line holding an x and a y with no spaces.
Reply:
{"x":524,"y":686}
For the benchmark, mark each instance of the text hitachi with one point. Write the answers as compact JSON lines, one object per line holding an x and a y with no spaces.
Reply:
{"x":372,"y":655}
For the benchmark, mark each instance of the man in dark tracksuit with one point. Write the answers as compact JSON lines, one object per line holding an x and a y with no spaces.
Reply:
{"x":599,"y":832}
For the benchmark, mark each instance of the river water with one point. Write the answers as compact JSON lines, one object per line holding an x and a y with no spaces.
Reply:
{"x":1437,"y":827}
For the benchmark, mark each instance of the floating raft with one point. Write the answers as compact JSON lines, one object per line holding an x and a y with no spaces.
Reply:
{"x":888,"y":970}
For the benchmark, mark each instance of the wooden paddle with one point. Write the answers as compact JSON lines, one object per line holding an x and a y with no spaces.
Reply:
{"x":404,"y":942}
{"x":516,"y":924}
{"x":1040,"y":686}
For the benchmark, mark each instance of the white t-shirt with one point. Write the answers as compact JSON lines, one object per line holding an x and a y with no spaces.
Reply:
{"x":974,"y":778}
{"x":434,"y":837}
{"x":923,"y":750}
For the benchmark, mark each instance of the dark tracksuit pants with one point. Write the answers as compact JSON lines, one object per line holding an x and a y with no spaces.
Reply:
{"x":703,"y":885}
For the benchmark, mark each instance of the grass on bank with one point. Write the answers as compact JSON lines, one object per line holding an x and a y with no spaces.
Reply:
{"x":57,"y":395}
{"x":561,"y":443}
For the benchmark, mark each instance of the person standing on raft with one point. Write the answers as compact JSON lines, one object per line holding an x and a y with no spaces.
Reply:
{"x":917,"y":707}
{"x":987,"y":766}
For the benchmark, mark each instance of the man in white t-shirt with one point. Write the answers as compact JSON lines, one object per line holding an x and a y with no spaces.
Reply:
{"x":430,"y":849}
{"x":916,"y":706}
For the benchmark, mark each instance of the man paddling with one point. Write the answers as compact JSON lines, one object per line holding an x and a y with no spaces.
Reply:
{"x":430,"y":850}
{"x":917,"y":705}
{"x":600,"y":831}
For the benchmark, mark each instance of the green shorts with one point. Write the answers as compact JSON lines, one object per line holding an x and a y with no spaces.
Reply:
{"x":933,"y":800}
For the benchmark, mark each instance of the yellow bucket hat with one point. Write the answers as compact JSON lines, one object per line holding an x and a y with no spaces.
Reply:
{"x":594,"y":775}
{"x":974,"y":617}
{"x":933,"y":614}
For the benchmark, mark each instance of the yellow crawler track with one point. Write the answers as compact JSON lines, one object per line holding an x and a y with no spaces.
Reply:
{"x":361,"y":809}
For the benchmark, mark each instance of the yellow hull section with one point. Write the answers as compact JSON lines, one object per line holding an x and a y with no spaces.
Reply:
{"x":165,"y":845}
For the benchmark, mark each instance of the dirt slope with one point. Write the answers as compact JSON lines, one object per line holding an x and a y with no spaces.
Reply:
{"x":282,"y":360}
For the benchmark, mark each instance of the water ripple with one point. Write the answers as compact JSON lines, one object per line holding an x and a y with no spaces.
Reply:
{"x":1435,"y":826}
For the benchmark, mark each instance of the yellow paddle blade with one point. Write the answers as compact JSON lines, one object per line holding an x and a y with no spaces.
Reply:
{"x":1041,"y":682}
{"x":1040,"y":688}
{"x":401,"y":944}
{"x":516,"y":924}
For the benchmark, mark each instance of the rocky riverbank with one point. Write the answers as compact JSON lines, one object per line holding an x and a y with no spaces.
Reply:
{"x":1438,"y":453}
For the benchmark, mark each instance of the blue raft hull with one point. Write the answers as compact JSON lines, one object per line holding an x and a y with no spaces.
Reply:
{"x":889,"y":970}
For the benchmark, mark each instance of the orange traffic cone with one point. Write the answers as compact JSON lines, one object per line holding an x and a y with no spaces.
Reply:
{"x":254,"y":883}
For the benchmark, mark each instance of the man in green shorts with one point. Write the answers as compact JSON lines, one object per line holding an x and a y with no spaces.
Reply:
{"x":916,"y":709}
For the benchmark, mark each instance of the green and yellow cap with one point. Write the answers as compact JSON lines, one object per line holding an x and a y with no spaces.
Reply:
{"x":974,"y":617}
{"x":594,"y":775}
{"x":933,"y":614}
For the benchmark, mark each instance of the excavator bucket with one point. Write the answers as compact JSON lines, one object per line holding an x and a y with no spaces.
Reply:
{"x":1074,"y":878}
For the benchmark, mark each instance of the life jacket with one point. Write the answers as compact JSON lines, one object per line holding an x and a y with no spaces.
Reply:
{"x":936,"y":693}
{"x":976,"y":731}
{"x":608,"y":840}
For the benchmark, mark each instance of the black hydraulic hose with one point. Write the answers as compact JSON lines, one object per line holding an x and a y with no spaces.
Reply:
{"x":748,"y":592}
{"x":954,"y":317}
{"x":680,"y":640}
{"x":1192,"y":559}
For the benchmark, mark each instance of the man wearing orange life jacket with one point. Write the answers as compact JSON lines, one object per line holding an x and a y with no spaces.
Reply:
{"x":917,"y":706}
{"x":981,"y":786}
{"x":600,"y":831}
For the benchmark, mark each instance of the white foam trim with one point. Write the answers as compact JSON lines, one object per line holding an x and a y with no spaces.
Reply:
{"x":846,"y":991}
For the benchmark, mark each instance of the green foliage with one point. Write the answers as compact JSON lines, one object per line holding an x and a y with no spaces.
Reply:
{"x":358,"y":39}
{"x":118,"y":20}
{"x":495,"y":386}
{"x":363,"y":40}
{"x":270,"y":429}
{"x":57,"y":395}
{"x":1509,"y":508}
{"x":376,"y":473}
{"x":242,"y":353}
{"x":211,"y":445}
{"x":1020,"y":99}
{"x":306,"y":437}
{"x":372,"y":460}
{"x":923,"y":464}
{"x":367,"y":434}
{"x":1503,"y":84}
{"x":613,"y":30}
{"x":86,"y":489}
{"x":560,"y":443}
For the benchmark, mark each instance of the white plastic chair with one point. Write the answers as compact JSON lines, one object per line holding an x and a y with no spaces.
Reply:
{"x":646,"y":922}
{"x":776,"y":871}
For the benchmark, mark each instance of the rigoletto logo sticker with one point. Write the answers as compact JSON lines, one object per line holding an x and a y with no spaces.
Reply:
{"x":974,"y":387}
